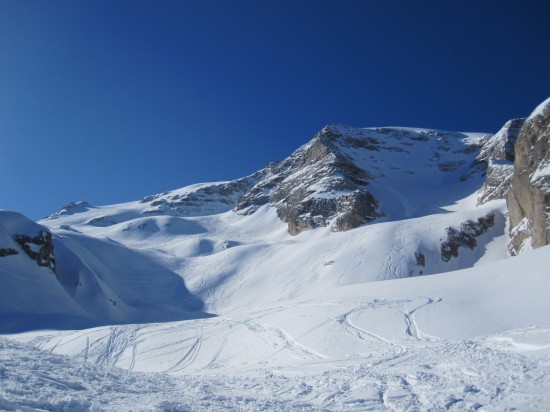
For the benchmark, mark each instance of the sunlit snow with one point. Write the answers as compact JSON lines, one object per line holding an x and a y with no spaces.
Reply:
{"x":202,"y":308}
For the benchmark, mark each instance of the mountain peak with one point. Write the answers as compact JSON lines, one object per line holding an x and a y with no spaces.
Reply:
{"x":70,"y":209}
{"x":343,"y":177}
{"x":340,"y":177}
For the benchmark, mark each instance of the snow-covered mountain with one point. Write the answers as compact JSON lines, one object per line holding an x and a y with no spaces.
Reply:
{"x":342,"y":178}
{"x":314,"y":267}
{"x":218,"y":239}
{"x":73,"y":281}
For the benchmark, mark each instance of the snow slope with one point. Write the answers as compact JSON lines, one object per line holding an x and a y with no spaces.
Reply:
{"x":342,"y":321}
{"x":225,"y":257}
{"x":424,"y":343}
{"x":246,"y":257}
{"x":94,"y":281}
{"x":506,"y":371}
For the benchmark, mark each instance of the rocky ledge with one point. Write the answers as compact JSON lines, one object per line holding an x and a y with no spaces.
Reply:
{"x":39,"y":248}
{"x":8,"y":252}
{"x":317,"y":184}
{"x":465,"y":236}
{"x":329,"y":181}
{"x":497,"y":155}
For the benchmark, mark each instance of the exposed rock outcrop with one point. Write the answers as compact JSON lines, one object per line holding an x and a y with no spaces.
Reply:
{"x":329,"y":180}
{"x":497,"y":181}
{"x":420,"y":259}
{"x":529,"y":198}
{"x":501,"y":145}
{"x":8,"y":252}
{"x":39,"y":248}
{"x":465,"y":236}
{"x":316,"y":184}
{"x":497,"y":154}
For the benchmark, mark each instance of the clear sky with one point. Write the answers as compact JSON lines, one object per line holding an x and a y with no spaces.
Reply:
{"x":109,"y":101}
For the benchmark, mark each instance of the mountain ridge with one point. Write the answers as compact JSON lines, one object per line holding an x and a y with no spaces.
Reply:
{"x":336,"y":178}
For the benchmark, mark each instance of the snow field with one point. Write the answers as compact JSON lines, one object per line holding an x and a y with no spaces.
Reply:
{"x":431,"y":343}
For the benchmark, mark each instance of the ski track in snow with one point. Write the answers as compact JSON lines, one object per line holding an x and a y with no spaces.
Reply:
{"x":464,"y":375}
{"x":281,"y":341}
{"x":412,"y":371}
{"x":395,"y":265}
{"x":189,"y":357}
{"x":412,"y":327}
{"x":358,"y":332}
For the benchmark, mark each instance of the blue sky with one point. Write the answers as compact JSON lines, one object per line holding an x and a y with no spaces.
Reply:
{"x":109,"y":101}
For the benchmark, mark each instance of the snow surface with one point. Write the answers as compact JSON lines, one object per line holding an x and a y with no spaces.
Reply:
{"x":205,"y":309}
{"x":539,"y":110}
{"x":542,"y":172}
{"x":427,"y":343}
{"x":505,"y":371}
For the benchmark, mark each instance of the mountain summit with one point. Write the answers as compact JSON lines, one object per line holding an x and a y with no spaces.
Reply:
{"x":346,"y":177}
{"x":343,"y":178}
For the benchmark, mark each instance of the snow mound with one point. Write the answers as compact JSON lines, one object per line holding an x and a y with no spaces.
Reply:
{"x":71,"y":281}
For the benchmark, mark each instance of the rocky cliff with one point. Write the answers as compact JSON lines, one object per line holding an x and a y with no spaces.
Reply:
{"x":316,"y":184}
{"x":529,"y":198}
{"x":346,"y":177}
{"x":465,"y":236}
{"x":497,"y":155}
{"x":343,"y":178}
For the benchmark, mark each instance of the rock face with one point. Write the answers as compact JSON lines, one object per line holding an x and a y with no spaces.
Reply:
{"x":335,"y":178}
{"x":39,"y":248}
{"x":343,"y":178}
{"x":497,"y":182}
{"x":497,"y":153}
{"x":8,"y":252}
{"x":465,"y":236}
{"x":529,"y":198}
{"x":21,"y":239}
{"x":203,"y":199}
{"x":316,"y":184}
{"x":501,"y":145}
